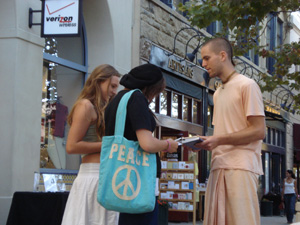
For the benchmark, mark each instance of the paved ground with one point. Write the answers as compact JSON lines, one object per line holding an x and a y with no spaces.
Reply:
{"x":265,"y":220}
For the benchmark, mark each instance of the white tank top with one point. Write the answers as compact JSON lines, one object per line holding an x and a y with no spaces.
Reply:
{"x":289,"y":187}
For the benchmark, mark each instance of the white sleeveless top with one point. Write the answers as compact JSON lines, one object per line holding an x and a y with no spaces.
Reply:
{"x":289,"y":187}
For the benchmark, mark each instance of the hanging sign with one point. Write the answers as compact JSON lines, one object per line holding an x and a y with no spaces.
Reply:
{"x":61,"y":18}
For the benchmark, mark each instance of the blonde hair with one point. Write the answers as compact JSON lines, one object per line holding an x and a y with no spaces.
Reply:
{"x":92,"y":91}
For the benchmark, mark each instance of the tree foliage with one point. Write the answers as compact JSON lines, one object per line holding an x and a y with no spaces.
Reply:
{"x":243,"y":22}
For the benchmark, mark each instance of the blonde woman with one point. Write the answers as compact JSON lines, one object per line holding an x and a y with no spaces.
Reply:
{"x":86,"y":121}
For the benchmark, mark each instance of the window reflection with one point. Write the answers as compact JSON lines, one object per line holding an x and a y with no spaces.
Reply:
{"x":278,"y":137}
{"x":282,"y":139}
{"x":266,"y":137}
{"x":209,"y":116}
{"x":51,"y":46}
{"x":274,"y":137}
{"x":186,"y":110}
{"x":175,"y":106}
{"x":179,"y":106}
{"x":57,"y":101}
{"x":274,"y":141}
{"x":196,"y":115}
{"x":152,"y":104}
{"x":163,"y":103}
{"x":271,"y":136}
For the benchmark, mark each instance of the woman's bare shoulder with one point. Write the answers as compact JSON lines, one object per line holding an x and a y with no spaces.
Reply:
{"x":86,"y":104}
{"x":87,"y":108}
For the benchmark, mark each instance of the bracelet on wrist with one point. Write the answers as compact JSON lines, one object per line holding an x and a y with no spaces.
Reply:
{"x":169,"y":146}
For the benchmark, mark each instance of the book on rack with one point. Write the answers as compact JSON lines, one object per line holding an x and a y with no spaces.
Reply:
{"x":190,"y":141}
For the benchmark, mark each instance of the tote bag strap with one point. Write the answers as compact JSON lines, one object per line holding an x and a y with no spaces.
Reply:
{"x":121,"y":113}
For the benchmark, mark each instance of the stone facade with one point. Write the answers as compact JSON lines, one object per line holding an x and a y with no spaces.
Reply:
{"x":160,"y":24}
{"x":169,"y":30}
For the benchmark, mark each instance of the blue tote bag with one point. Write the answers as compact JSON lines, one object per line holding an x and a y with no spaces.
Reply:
{"x":127,"y":173}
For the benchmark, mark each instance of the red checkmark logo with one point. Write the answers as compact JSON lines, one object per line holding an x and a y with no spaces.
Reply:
{"x":58,"y":9}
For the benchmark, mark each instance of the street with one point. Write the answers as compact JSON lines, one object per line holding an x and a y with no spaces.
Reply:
{"x":265,"y":220}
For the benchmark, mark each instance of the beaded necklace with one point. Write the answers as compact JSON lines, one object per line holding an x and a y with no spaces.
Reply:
{"x":225,"y":81}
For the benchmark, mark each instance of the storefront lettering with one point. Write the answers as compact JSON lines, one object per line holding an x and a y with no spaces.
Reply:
{"x":180,"y":68}
{"x":60,"y":19}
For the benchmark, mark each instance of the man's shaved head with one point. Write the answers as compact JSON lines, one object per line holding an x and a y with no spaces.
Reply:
{"x":219,"y":44}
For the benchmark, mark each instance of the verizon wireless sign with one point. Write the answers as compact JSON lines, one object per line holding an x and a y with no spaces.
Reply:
{"x":61,"y":18}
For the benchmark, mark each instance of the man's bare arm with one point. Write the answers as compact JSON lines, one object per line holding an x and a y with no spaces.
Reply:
{"x":255,"y":131}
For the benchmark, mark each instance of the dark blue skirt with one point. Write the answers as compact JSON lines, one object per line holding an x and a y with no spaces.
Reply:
{"x":149,"y":218}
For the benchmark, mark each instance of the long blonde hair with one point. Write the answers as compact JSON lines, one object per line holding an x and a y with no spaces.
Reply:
{"x":92,"y":91}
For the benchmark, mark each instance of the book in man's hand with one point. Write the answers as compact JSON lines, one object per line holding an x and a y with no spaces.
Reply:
{"x":190,"y":142}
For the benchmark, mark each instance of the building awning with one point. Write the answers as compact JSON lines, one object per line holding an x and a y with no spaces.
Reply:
{"x":183,"y":86}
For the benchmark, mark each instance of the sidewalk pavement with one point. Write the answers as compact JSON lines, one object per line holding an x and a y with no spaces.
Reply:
{"x":265,"y":220}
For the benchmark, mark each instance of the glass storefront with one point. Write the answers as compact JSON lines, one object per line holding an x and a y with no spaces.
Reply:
{"x":64,"y":73}
{"x":61,"y":86}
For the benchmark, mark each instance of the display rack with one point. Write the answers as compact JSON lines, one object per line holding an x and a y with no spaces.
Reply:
{"x":177,"y":185}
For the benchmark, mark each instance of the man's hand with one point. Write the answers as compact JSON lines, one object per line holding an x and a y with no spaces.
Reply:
{"x":209,"y":143}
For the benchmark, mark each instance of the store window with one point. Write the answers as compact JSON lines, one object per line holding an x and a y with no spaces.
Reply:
{"x":64,"y":72}
{"x":197,"y":106}
{"x":163,"y":103}
{"x":282,"y":139}
{"x":178,"y":105}
{"x":275,"y":137}
{"x":187,"y":105}
{"x":61,"y":86}
{"x":175,"y":105}
{"x":269,"y":136}
{"x":266,"y":172}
